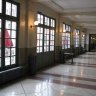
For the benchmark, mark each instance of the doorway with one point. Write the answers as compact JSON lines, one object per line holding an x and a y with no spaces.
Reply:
{"x":92,"y":42}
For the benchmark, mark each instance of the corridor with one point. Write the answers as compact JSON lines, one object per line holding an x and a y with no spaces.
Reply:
{"x":78,"y":79}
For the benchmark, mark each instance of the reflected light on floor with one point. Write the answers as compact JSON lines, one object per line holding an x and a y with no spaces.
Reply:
{"x":82,"y":72}
{"x":74,"y":80}
{"x":61,"y":92}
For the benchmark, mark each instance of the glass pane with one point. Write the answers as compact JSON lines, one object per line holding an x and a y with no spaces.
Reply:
{"x":45,"y":49}
{"x":53,"y":23}
{"x":65,"y":46}
{"x":0,"y":6}
{"x":8,"y":43}
{"x":38,"y":36}
{"x":40,"y":49}
{"x":41,"y":36}
{"x":8,"y":24}
{"x":40,"y":42}
{"x":51,"y":42}
{"x":7,"y":51}
{"x":37,"y":49}
{"x":47,"y":37}
{"x":48,"y":21}
{"x":41,"y":30}
{"x":13,"y":51}
{"x":69,"y":39}
{"x":68,"y":35}
{"x":41,"y":19}
{"x":37,"y":42}
{"x":47,"y":31}
{"x":68,"y":46}
{"x":45,"y":20}
{"x":13,"y":34}
{"x":62,"y":46}
{"x":38,"y":17}
{"x":13,"y":60}
{"x":51,"y":37}
{"x":7,"y":33}
{"x":14,"y":10}
{"x":8,"y":8}
{"x":67,"y":27}
{"x":52,"y":32}
{"x":51,"y":48}
{"x":7,"y":61}
{"x":14,"y":25}
{"x":45,"y":42}
{"x":13,"y":43}
{"x":69,"y":42}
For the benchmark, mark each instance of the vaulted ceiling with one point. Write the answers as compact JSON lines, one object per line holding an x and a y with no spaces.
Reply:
{"x":83,"y":12}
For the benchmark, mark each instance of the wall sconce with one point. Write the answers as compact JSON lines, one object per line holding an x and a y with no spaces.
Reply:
{"x":35,"y":24}
{"x":83,"y":35}
{"x":77,"y":33}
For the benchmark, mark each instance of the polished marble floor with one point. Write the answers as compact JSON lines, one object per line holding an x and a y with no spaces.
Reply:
{"x":78,"y":79}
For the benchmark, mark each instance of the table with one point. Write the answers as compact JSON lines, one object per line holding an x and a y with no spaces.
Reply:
{"x":71,"y":54}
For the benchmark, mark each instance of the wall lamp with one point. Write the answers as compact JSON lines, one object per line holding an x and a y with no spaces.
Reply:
{"x":77,"y":33}
{"x":35,"y":24}
{"x":83,"y":35}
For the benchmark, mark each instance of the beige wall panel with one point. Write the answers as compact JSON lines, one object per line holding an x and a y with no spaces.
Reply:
{"x":22,"y":32}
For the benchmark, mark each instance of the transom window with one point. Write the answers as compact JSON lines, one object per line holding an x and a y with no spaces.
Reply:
{"x":66,"y":36}
{"x":40,"y":18}
{"x":45,"y":33}
{"x":11,"y":9}
{"x":9,"y":23}
{"x":76,"y":37}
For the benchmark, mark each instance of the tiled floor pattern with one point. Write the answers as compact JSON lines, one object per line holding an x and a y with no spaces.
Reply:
{"x":78,"y":79}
